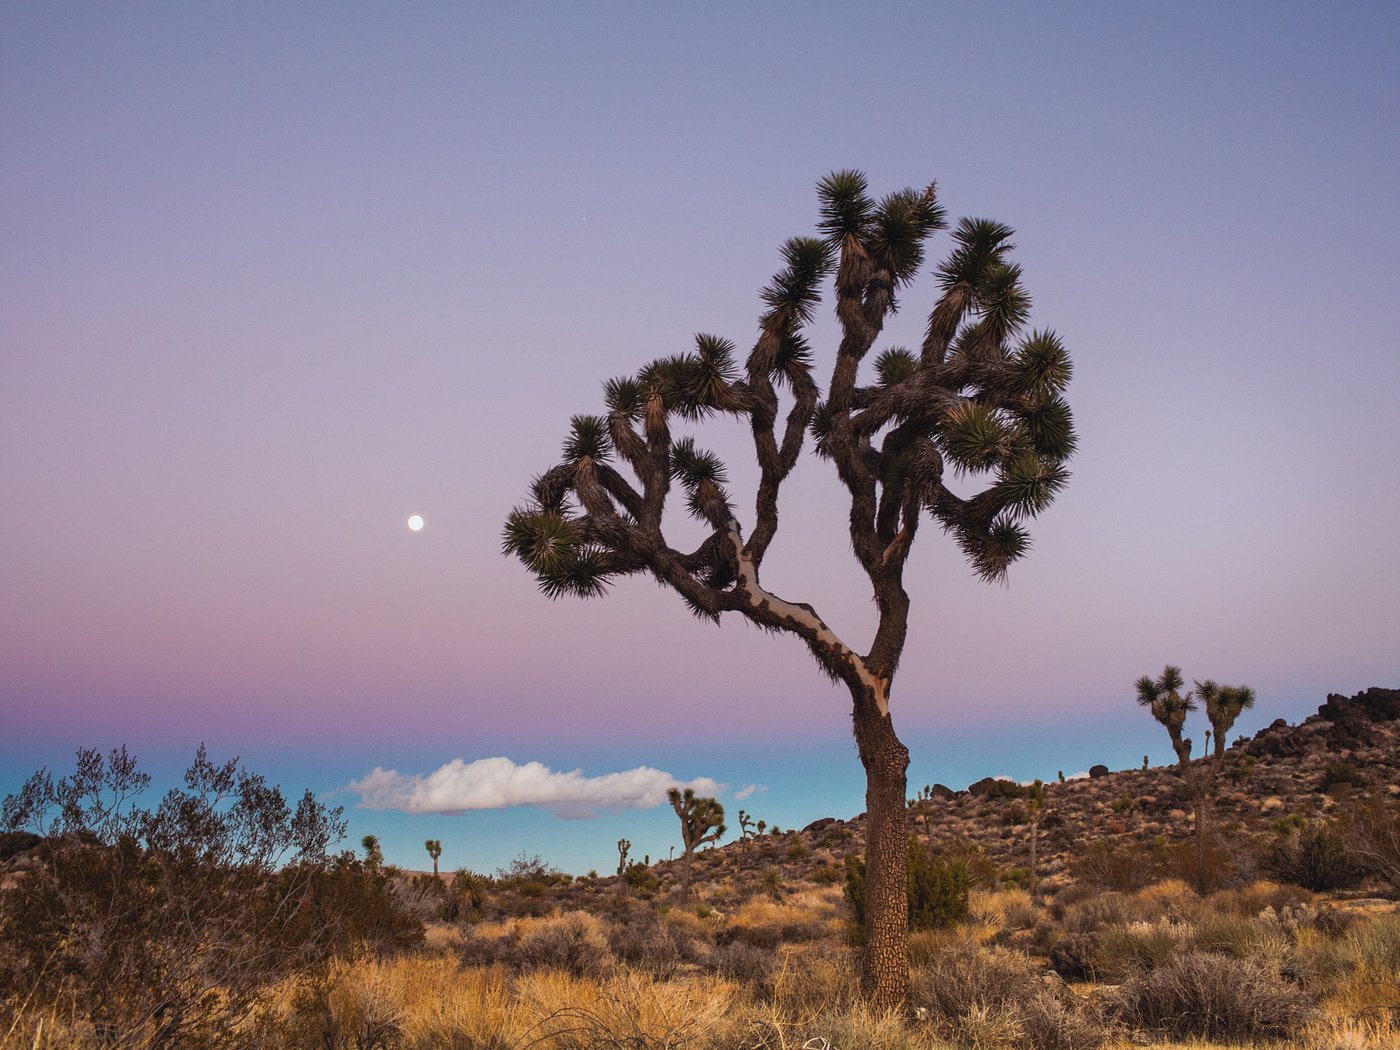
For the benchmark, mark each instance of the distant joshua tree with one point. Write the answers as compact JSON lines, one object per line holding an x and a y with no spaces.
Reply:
{"x":1224,"y":704}
{"x":745,"y":828}
{"x":623,"y":846}
{"x":967,"y":431}
{"x":434,"y":848}
{"x":702,"y":821}
{"x":374,"y":855}
{"x":1163,"y":698}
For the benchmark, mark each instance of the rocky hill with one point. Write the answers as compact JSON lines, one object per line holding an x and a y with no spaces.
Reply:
{"x":1286,"y":773}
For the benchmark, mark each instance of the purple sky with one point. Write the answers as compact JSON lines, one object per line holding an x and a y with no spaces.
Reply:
{"x":275,"y":277}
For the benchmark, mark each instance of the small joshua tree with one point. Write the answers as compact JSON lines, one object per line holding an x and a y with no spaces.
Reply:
{"x":623,"y":846}
{"x":1163,"y":698}
{"x":745,"y":828}
{"x":374,"y":855}
{"x":1224,"y":704}
{"x":702,"y":820}
{"x":434,"y":848}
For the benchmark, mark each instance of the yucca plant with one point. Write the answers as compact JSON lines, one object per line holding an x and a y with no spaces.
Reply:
{"x":970,"y":429}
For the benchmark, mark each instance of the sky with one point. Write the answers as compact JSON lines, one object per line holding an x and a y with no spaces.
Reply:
{"x":276,"y":277}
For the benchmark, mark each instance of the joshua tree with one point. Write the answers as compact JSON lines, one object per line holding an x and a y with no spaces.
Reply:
{"x":623,"y":845}
{"x":1224,"y":704}
{"x":702,"y":820}
{"x":434,"y":848}
{"x":1163,"y":698}
{"x":976,"y":407}
{"x":374,"y":856}
{"x":745,"y":828}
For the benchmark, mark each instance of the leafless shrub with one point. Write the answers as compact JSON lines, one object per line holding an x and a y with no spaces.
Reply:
{"x":968,"y":988}
{"x":574,"y":942}
{"x":744,"y":963}
{"x":1371,"y":833}
{"x":1214,"y":997}
{"x":647,"y":945}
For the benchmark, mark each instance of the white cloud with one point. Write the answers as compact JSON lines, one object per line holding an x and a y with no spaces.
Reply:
{"x":498,"y":783}
{"x":747,"y":790}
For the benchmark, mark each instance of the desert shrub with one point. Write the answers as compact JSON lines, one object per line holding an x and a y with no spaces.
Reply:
{"x":574,"y":942}
{"x":529,"y":868}
{"x":627,"y":1012}
{"x":1125,"y":804}
{"x":422,"y":896}
{"x":938,"y":888}
{"x":1341,"y":772}
{"x":1110,"y":866}
{"x":1205,"y":866}
{"x":993,"y":996}
{"x":208,"y":911}
{"x":641,"y":879}
{"x":819,"y":983}
{"x":1090,"y":913}
{"x":1253,"y":899}
{"x":757,"y":936}
{"x":1072,"y":955}
{"x":1135,"y":948}
{"x":1059,"y":1022}
{"x":744,"y":963}
{"x":1313,"y":856}
{"x":1002,"y":789}
{"x":1263,"y":940}
{"x":1171,"y":900}
{"x":1214,"y":997}
{"x":1371,"y":831}
{"x":826,"y":875}
{"x":647,"y":945}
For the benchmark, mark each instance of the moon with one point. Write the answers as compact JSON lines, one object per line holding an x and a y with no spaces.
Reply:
{"x":415,"y":523}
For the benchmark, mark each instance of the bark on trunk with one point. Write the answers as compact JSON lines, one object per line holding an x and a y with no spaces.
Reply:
{"x":885,"y":960}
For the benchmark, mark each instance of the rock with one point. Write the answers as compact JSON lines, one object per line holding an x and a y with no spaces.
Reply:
{"x":1374,"y":705}
{"x":985,"y":786}
{"x":818,"y":824}
{"x":1098,"y":771}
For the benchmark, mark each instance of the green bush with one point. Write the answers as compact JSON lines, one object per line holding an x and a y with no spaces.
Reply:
{"x":1341,"y":772}
{"x":938,"y":888}
{"x":1313,"y":856}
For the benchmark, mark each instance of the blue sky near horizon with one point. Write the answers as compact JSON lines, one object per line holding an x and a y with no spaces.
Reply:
{"x":277,"y":277}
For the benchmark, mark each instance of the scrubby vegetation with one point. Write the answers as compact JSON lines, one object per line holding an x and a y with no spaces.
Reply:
{"x":222,"y":918}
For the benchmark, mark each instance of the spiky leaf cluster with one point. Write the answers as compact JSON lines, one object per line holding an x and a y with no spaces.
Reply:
{"x":978,"y":405}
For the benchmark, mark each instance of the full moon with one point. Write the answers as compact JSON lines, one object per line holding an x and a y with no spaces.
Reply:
{"x":415,"y":523}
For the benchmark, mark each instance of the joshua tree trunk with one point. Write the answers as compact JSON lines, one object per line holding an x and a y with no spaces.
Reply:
{"x":885,"y":963}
